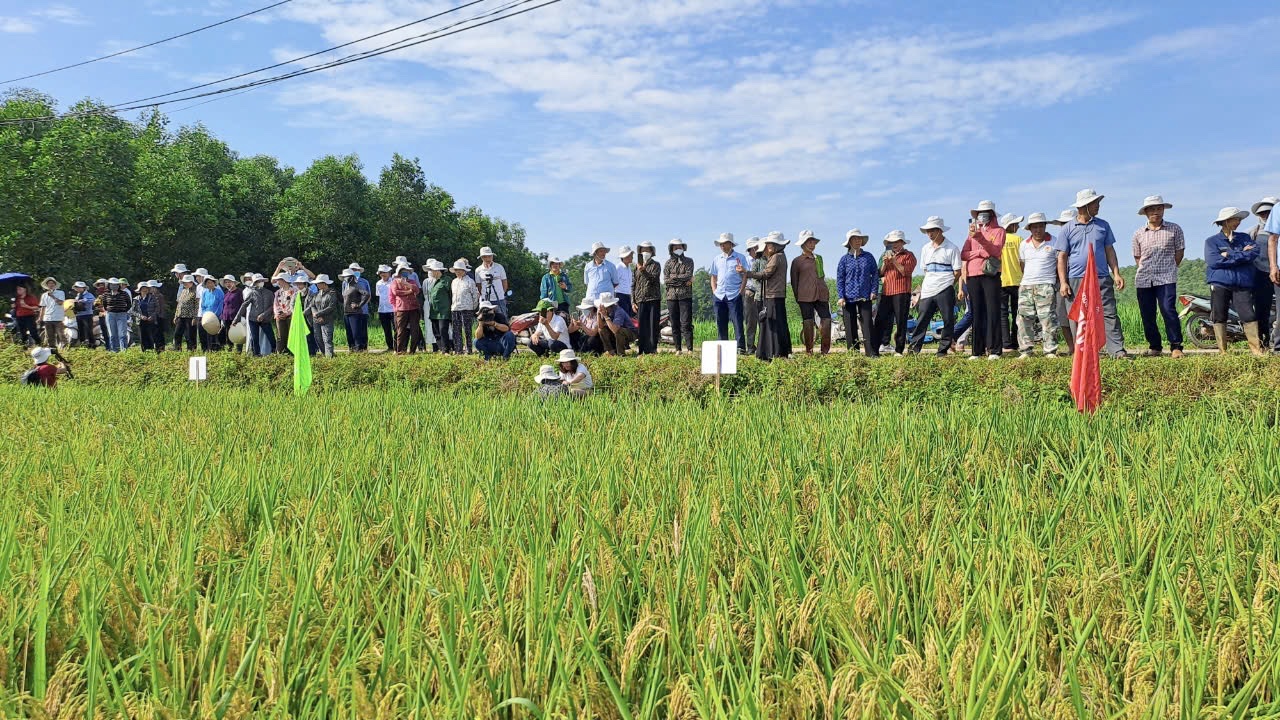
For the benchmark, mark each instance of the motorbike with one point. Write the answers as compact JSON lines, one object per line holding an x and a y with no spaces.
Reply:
{"x":1199,"y":329}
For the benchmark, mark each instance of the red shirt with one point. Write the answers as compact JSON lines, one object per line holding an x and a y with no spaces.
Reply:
{"x":404,"y":295}
{"x":898,"y":283}
{"x":47,"y":375}
{"x":27,"y":306}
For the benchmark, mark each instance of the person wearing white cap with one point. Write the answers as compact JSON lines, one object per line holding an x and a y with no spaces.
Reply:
{"x":1038,"y":293}
{"x":437,"y":306}
{"x":647,"y":300}
{"x":491,"y":278}
{"x":857,"y":280}
{"x":599,"y":275}
{"x":464,"y":301}
{"x":677,"y":274}
{"x":751,"y":294}
{"x":405,"y":299}
{"x":53,"y":313}
{"x":727,"y":280}
{"x":942,"y":269}
{"x":116,"y":304}
{"x":809,"y":285}
{"x":1158,"y":248}
{"x":386,"y":314}
{"x":1264,"y":280}
{"x":147,"y":308}
{"x":897,"y":265}
{"x":1084,"y":234}
{"x":575,"y":375}
{"x":84,"y":310}
{"x":42,"y":373}
{"x":625,"y":277}
{"x":186,"y":314}
{"x":258,"y":311}
{"x":775,"y":332}
{"x":356,"y":317}
{"x":617,"y":331}
{"x":210,"y":302}
{"x":556,"y":285}
{"x":1229,"y":257}
{"x":982,"y":257}
{"x":1010,"y":280}
{"x":322,"y":309}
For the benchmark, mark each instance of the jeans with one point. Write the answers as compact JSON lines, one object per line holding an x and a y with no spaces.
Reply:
{"x":1009,"y":316}
{"x":680,"y":319}
{"x":117,"y":330}
{"x":1166,"y":297}
{"x":892,"y":310}
{"x":857,"y":313}
{"x":650,"y":318}
{"x":985,"y":293}
{"x":262,"y":339}
{"x":1110,"y":318}
{"x":944,"y":302}
{"x":185,"y":331}
{"x":325,"y":340}
{"x":503,"y":345}
{"x":727,"y":311}
{"x":357,"y":332}
{"x":462,"y":320}
{"x":751,"y":313}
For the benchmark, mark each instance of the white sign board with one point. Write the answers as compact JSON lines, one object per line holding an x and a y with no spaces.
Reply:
{"x":720,"y":358}
{"x":198,"y":369}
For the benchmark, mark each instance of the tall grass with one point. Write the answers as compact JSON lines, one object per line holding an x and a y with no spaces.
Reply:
{"x":231,"y":554}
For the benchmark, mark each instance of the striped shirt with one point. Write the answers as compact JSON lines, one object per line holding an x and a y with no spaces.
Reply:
{"x":1156,"y":251}
{"x":897,"y":283}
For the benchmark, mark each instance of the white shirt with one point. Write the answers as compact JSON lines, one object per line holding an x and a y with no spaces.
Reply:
{"x":584,"y":384}
{"x":492,"y":293}
{"x":52,"y":301}
{"x":1042,"y":264}
{"x":384,"y":296}
{"x":624,"y":280}
{"x":940,"y":263}
{"x":557,"y":324}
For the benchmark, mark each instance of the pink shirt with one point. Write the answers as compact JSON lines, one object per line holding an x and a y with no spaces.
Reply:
{"x":989,"y":243}
{"x":404,"y":295}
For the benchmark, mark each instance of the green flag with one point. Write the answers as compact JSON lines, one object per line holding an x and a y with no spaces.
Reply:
{"x":298,"y":332}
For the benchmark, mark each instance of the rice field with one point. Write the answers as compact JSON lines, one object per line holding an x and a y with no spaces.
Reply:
{"x":230,"y":554}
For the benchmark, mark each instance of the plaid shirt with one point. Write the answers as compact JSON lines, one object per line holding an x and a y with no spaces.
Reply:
{"x":1156,"y":251}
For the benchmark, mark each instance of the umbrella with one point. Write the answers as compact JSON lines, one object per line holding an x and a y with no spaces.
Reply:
{"x":9,"y":281}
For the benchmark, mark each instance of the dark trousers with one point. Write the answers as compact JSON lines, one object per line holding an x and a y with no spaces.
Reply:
{"x":1241,"y":299}
{"x":751,"y":319}
{"x":1263,"y":295}
{"x":616,"y":343}
{"x":680,"y":319}
{"x":462,"y":320}
{"x":444,"y":341}
{"x":730,"y":311}
{"x":27,"y":333}
{"x":984,"y":298}
{"x":650,"y":318}
{"x":1009,"y":317}
{"x":492,"y":346}
{"x":408,"y":331}
{"x":282,"y":333}
{"x":357,"y":326}
{"x":892,"y":311}
{"x":945,"y":303}
{"x":586,"y":344}
{"x":150,"y":332}
{"x":542,"y":349}
{"x":84,"y":329}
{"x":388,"y":329}
{"x":208,"y":341}
{"x":184,"y":331}
{"x":1164,"y":297}
{"x":858,"y":314}
{"x":102,"y":326}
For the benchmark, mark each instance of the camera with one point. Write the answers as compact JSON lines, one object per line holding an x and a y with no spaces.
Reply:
{"x":486,"y":315}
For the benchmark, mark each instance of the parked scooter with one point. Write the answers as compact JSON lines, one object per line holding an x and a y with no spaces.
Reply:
{"x":1198,"y":327}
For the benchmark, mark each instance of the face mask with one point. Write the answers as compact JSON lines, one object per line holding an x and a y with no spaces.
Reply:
{"x":984,"y":218}
{"x":356,"y":275}
{"x":644,"y":257}
{"x":678,"y":253}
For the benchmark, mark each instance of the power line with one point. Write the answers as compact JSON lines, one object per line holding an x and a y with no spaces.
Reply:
{"x":143,"y":47}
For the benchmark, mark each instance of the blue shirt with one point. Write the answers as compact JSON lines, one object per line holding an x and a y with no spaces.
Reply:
{"x":1236,"y":269}
{"x":1076,"y":237}
{"x":211,"y":301}
{"x":857,"y":276}
{"x":620,"y":316}
{"x":602,"y":278}
{"x":724,"y":268}
{"x":87,"y":299}
{"x":1273,"y":223}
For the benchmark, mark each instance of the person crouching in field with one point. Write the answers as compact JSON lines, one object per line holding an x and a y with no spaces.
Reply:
{"x":616,"y":330}
{"x":323,"y":309}
{"x":43,"y":374}
{"x":551,"y":334}
{"x":585,"y":331}
{"x":575,"y":375}
{"x":549,"y":384}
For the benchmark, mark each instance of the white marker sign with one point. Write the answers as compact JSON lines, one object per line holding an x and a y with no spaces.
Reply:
{"x":720,"y":358}
{"x":198,"y":369}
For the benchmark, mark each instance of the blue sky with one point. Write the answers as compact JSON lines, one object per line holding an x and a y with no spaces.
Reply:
{"x":631,"y":120}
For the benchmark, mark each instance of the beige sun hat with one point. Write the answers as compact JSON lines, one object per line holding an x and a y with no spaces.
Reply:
{"x":1230,"y":213}
{"x":607,"y":299}
{"x":1010,"y":219}
{"x":984,"y":206}
{"x":1037,"y":218}
{"x":776,"y":238}
{"x":1153,"y":201}
{"x":547,"y":372}
{"x":895,"y":236}
{"x":567,"y":356}
{"x":1086,"y":197}
{"x":934,"y":223}
{"x":1064,"y":217}
{"x":806,"y":236}
{"x":598,"y":246}
{"x":1265,"y":203}
{"x":726,"y":238}
{"x":853,"y":234}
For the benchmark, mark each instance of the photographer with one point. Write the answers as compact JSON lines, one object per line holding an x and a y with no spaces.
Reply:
{"x":551,"y":334}
{"x":493,"y":333}
{"x":492,"y":280}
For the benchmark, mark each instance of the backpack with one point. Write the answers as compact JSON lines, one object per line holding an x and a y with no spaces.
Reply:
{"x":30,"y":377}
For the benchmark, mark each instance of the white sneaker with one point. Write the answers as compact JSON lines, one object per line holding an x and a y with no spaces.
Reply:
{"x":993,"y":357}
{"x":897,"y":354}
{"x":1024,"y":356}
{"x":974,"y":357}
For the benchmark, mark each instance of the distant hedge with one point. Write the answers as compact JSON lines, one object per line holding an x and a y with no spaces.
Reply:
{"x":1164,"y":384}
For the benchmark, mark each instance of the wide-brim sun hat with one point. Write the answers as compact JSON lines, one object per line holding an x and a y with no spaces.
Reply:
{"x":586,"y":304}
{"x":726,"y":238}
{"x":53,"y":280}
{"x":1065,"y":217}
{"x":1010,"y":219}
{"x":1153,"y":201}
{"x":984,"y":206}
{"x":229,"y":277}
{"x":346,"y":274}
{"x":435,"y":265}
{"x":486,"y":252}
{"x":460,"y":265}
{"x":401,"y":260}
{"x":934,"y":223}
{"x":1087,"y":197}
{"x":625,"y":251}
{"x":645,"y":244}
{"x":894,"y":236}
{"x":40,"y":355}
{"x":322,"y":278}
{"x":597,"y":247}
{"x":607,"y":299}
{"x":206,"y":279}
{"x":211,"y":323}
{"x":486,"y":305}
{"x":201,"y":271}
{"x":79,"y":284}
{"x":849,"y":236}
{"x":554,"y":261}
{"x":180,"y":268}
{"x":1037,"y":218}
{"x":100,"y":281}
{"x":187,"y":279}
{"x":776,"y":238}
{"x":1230,"y":213}
{"x":567,"y":356}
{"x":677,"y":241}
{"x":547,"y":372}
{"x":806,"y":236}
{"x":384,"y":268}
{"x":1265,"y":203}
{"x":355,"y":267}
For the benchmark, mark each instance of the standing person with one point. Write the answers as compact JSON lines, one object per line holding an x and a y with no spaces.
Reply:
{"x":616,"y":331}
{"x":1038,"y":295}
{"x":809,"y":285}
{"x":896,"y":268}
{"x":84,"y":309}
{"x":1229,"y":258}
{"x":678,"y":274}
{"x":26,"y":310}
{"x":648,"y":294}
{"x":981,"y":255}
{"x":775,"y":333}
{"x":625,"y":278}
{"x":210,"y":302}
{"x":556,"y":285}
{"x":386,"y":313}
{"x":751,"y":295}
{"x":493,"y":333}
{"x":1073,"y":243}
{"x":116,"y":303}
{"x":1158,"y":249}
{"x":585,"y":331}
{"x":162,"y":314}
{"x":599,"y":275}
{"x":464,"y":301}
{"x":355,"y":318}
{"x":439,"y":301}
{"x":491,"y":278}
{"x":857,"y":279}
{"x":405,"y":293}
{"x":942,"y":268}
{"x":727,"y":280}
{"x":149,"y":317}
{"x":302,"y":286}
{"x":232,"y":299}
{"x":186,"y":314}
{"x":258,"y":310}
{"x":551,"y":334}
{"x":1010,"y":280}
{"x":100,"y":291}
{"x":323,"y":309}
{"x":1264,"y":289}
{"x":282,"y":308}
{"x":52,"y":313}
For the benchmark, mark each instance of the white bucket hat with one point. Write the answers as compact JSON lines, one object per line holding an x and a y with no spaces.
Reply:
{"x":403,"y":268}
{"x":1265,"y":203}
{"x":934,"y":223}
{"x":567,"y":356}
{"x":806,"y":236}
{"x":434,"y":264}
{"x":113,"y":281}
{"x":1064,"y":217}
{"x":346,"y":274}
{"x":776,"y":238}
{"x":461,"y":265}
{"x":726,"y":238}
{"x":486,"y":252}
{"x":753,"y":243}
{"x":625,"y":251}
{"x":201,"y":272}
{"x":40,"y":355}
{"x":984,"y":206}
{"x":188,"y":278}
{"x":853,"y":234}
{"x":300,"y":279}
{"x":598,"y":246}
{"x":100,"y":281}
{"x":180,"y":268}
{"x":322,"y":278}
{"x":486,"y":305}
{"x":1010,"y":219}
{"x":230,"y":277}
{"x":547,"y":372}
{"x":280,"y":276}
{"x":1153,"y":201}
{"x":384,"y":268}
{"x":401,"y":260}
{"x":645,"y":244}
{"x":607,"y":299}
{"x":247,"y":276}
{"x":1087,"y":197}
{"x":1037,"y":218}
{"x":895,"y":236}
{"x":1228,"y":213}
{"x":554,"y":261}
{"x":676,"y":241}
{"x":157,"y":283}
{"x":79,"y":284}
{"x":258,"y":277}
{"x":586,"y":304}
{"x":355,"y":268}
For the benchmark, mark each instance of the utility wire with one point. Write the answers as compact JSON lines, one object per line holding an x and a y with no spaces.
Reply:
{"x":143,"y":47}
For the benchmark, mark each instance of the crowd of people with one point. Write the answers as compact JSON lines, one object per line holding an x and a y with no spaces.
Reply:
{"x":1017,"y":291}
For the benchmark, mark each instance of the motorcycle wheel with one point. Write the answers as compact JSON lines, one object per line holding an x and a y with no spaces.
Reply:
{"x":1199,"y":332}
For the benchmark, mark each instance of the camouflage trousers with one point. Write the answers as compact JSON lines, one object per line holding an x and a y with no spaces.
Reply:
{"x":1037,"y":305}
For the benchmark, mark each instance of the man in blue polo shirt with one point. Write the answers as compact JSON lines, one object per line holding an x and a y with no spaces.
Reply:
{"x":726,"y":286}
{"x":1073,"y":243}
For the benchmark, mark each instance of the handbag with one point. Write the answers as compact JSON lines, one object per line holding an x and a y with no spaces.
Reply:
{"x":991,"y":267}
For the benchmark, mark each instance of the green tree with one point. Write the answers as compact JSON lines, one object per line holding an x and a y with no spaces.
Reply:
{"x":326,"y":216}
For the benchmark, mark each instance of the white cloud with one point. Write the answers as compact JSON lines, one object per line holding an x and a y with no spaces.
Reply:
{"x":62,"y":14}
{"x":16,"y":25}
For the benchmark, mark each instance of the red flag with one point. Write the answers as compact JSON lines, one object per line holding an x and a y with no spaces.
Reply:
{"x":1086,"y":312}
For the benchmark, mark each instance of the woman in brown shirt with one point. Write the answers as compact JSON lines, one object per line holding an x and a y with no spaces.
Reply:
{"x":775,"y":334}
{"x":809,"y":284}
